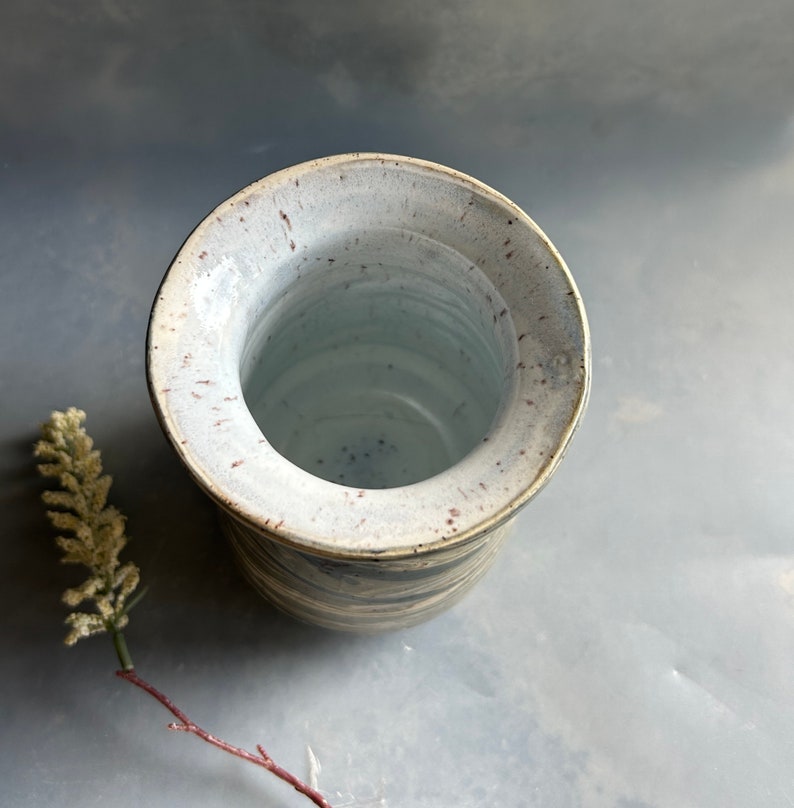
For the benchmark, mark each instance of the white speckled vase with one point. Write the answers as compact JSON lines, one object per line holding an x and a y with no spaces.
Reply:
{"x":370,"y":363}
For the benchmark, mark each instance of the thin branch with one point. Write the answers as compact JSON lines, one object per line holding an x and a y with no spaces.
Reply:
{"x":184,"y":724}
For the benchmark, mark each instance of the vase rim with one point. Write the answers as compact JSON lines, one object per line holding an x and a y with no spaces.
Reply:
{"x":194,"y":345}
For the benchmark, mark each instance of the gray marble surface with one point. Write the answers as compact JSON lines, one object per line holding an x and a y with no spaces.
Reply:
{"x":633,"y":646}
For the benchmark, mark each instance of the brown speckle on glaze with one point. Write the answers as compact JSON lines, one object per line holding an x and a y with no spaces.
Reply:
{"x":285,"y":219}
{"x":203,"y":254}
{"x":236,"y":463}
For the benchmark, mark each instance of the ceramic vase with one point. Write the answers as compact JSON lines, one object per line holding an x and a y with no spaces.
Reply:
{"x":370,"y":363}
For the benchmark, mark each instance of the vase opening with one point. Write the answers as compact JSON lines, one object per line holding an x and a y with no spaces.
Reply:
{"x":383,"y":364}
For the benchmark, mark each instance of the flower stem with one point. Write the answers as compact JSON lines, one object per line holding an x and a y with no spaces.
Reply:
{"x":120,"y":644}
{"x":184,"y":724}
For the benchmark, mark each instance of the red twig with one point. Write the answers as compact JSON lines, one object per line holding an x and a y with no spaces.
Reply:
{"x":184,"y":724}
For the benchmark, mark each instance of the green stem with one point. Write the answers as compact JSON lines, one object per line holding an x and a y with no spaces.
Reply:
{"x":121,"y":649}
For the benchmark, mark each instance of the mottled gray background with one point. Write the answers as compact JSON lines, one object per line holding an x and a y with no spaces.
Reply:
{"x":633,"y":647}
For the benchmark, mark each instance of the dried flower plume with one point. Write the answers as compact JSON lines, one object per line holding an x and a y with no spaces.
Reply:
{"x":95,"y":530}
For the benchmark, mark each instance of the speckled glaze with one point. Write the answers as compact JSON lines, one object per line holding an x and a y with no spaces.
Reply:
{"x":439,"y":256}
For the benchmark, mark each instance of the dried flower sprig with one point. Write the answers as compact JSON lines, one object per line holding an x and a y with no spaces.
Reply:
{"x":97,"y":530}
{"x":97,"y":537}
